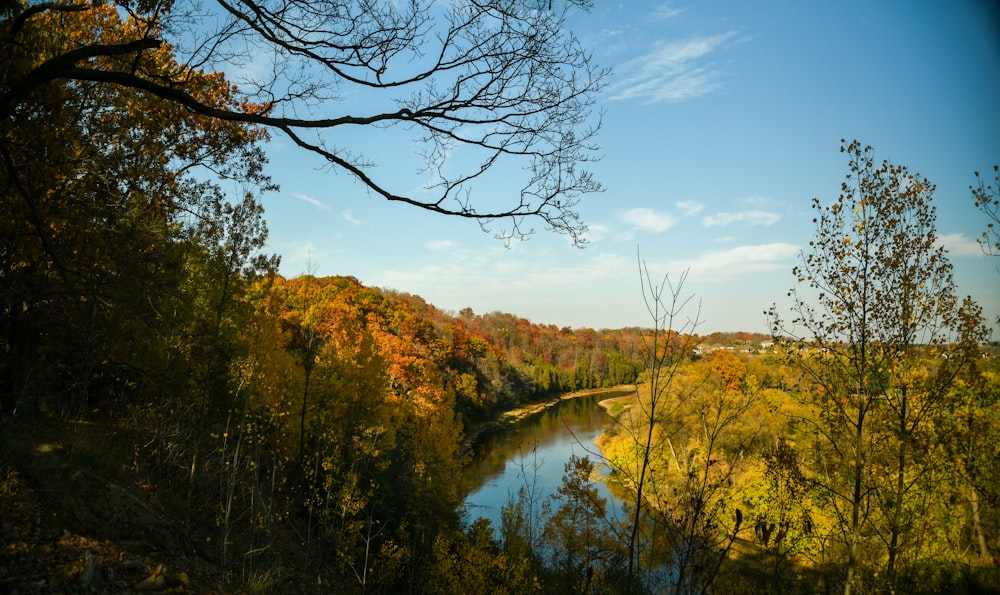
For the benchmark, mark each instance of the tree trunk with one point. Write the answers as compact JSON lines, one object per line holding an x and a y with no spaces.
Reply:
{"x":302,"y":416}
{"x":897,"y":508}
{"x":638,"y":498}
{"x":977,"y":524}
{"x":852,"y":551}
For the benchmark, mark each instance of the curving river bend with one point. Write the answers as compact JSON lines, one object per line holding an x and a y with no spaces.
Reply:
{"x":535,"y":451}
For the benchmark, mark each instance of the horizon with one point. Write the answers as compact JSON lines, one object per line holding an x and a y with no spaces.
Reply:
{"x":720,"y":123}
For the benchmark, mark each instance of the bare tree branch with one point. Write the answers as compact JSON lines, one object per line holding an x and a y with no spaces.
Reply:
{"x":502,"y":80}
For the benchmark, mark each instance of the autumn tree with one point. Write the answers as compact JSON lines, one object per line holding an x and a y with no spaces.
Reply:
{"x":974,"y":452}
{"x":876,"y":295}
{"x":126,"y":267}
{"x":986,"y":197}
{"x":713,"y":437}
{"x":504,"y":81}
{"x":782,"y":515}
{"x":585,"y":549}
{"x":106,"y":226}
{"x":977,"y":451}
{"x":681,"y":448}
{"x":377,"y":430}
{"x":474,"y":563}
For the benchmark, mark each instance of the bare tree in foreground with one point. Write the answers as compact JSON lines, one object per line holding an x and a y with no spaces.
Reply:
{"x":669,"y":343}
{"x":472,"y":86}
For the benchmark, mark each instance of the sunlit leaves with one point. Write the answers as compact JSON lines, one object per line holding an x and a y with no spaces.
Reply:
{"x":106,"y":216}
{"x":879,"y":307}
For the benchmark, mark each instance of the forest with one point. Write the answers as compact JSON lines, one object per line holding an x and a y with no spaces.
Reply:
{"x":177,"y":416}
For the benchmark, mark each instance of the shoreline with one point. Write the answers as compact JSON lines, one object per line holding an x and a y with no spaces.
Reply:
{"x":610,"y":404}
{"x":615,"y":407}
{"x":512,"y":417}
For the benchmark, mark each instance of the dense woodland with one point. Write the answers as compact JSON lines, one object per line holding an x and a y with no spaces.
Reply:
{"x":173,"y":408}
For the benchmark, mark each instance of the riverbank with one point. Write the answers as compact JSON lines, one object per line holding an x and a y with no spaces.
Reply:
{"x":510,"y":418}
{"x":535,"y":451}
{"x":616,"y":405}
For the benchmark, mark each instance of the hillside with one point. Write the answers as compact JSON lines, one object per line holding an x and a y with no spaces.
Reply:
{"x":308,"y":435}
{"x":213,"y":456}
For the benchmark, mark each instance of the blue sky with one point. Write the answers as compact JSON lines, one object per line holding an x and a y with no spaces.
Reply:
{"x":722,"y":120}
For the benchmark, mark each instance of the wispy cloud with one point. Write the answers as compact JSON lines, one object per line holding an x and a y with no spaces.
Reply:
{"x":597,"y":232}
{"x":308,"y":199}
{"x":740,"y":260}
{"x":758,"y":201}
{"x":672,"y":72}
{"x":348,"y":216}
{"x":689,"y":208}
{"x":648,"y":220}
{"x":743,"y":217}
{"x":505,"y":280}
{"x":612,"y":32}
{"x":958,"y":245}
{"x":440,"y":245}
{"x":666,"y":12}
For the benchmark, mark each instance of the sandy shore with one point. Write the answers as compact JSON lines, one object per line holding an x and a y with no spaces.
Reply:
{"x":509,"y":418}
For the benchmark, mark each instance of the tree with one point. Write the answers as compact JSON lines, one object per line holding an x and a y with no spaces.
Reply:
{"x":105,"y":222}
{"x":681,"y":449}
{"x":583,"y":549}
{"x":781,"y":514}
{"x":987,"y":199}
{"x":974,"y":451}
{"x":646,"y":427}
{"x":504,"y":81}
{"x":884,"y":296}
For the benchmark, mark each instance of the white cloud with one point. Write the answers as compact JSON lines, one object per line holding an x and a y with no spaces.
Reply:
{"x":440,"y":245}
{"x":666,"y":12}
{"x":348,"y":216}
{"x":671,"y":72}
{"x":308,"y":199}
{"x":756,"y":200}
{"x":744,"y":217}
{"x":522,"y":285}
{"x":612,"y":33}
{"x":690,"y":207}
{"x":596,"y":232}
{"x":958,"y":245}
{"x":740,"y":260}
{"x":648,"y":220}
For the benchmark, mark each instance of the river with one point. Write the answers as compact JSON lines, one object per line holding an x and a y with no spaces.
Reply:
{"x":535,"y":451}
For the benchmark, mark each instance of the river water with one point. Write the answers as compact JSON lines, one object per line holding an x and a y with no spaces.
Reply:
{"x":533,"y":454}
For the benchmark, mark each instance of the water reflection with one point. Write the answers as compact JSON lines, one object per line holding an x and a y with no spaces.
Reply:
{"x":534,"y":453}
